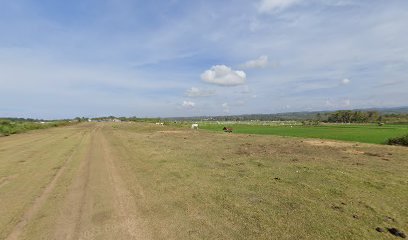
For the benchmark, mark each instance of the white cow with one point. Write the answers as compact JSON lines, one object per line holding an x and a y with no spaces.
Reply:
{"x":194,"y":126}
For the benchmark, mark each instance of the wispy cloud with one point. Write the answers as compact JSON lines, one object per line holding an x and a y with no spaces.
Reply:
{"x":260,"y":62}
{"x":276,"y":5}
{"x":196,"y":92}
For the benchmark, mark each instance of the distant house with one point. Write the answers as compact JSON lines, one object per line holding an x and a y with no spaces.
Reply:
{"x":116,"y":120}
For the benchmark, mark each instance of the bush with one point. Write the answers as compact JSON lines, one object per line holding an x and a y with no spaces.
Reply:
{"x":4,"y":122}
{"x":5,"y":130}
{"x":403,"y":141}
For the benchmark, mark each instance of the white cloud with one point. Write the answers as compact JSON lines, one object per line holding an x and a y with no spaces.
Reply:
{"x":196,"y":92}
{"x":260,"y":62}
{"x":188,"y":104}
{"x":266,"y":6}
{"x":345,"y":81}
{"x":224,"y":76}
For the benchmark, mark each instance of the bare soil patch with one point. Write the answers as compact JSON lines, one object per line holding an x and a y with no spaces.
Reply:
{"x":172,"y":131}
{"x":328,"y":143}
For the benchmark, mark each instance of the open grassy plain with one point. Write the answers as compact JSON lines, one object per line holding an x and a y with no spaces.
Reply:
{"x":365,"y":133}
{"x":143,"y":181}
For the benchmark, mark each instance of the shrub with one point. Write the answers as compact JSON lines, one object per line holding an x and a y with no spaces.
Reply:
{"x":5,"y":130}
{"x":4,"y":122}
{"x":398,"y":141}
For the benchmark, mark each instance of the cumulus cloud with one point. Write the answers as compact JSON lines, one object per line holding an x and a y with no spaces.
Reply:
{"x":188,"y":104}
{"x":266,"y":6}
{"x":345,"y":81}
{"x":223,"y":76}
{"x":260,"y":62}
{"x":196,"y":92}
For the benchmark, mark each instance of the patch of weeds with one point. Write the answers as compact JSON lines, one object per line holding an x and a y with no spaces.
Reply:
{"x":402,"y":141}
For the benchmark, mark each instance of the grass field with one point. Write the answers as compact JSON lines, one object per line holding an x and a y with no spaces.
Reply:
{"x":143,"y":181}
{"x":356,"y":133}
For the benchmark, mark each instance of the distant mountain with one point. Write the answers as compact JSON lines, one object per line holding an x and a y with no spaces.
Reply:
{"x":298,"y":116}
{"x":383,"y":111}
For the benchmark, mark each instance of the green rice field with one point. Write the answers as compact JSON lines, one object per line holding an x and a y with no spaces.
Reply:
{"x":356,"y":133}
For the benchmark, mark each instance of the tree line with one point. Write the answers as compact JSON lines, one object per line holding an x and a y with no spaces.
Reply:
{"x":348,"y":116}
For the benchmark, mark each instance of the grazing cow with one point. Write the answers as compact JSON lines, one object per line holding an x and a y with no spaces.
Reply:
{"x":225,"y":129}
{"x":194,"y":126}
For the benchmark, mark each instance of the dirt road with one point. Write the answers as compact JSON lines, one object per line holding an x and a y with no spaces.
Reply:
{"x":143,"y":181}
{"x":76,"y":193}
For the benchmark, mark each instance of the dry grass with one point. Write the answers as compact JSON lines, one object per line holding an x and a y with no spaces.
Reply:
{"x":155,"y":182}
{"x":210,"y":185}
{"x":28,"y":164}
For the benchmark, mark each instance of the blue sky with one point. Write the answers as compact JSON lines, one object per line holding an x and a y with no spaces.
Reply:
{"x":62,"y":59}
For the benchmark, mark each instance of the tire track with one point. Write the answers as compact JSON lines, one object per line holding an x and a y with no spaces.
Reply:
{"x":29,"y":214}
{"x":69,"y":223}
{"x":125,"y":201}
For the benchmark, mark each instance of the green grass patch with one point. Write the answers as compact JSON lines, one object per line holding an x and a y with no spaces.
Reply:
{"x":8,"y":127}
{"x":357,"y":133}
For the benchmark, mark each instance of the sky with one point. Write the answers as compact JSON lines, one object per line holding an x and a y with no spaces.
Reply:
{"x":63,"y":59}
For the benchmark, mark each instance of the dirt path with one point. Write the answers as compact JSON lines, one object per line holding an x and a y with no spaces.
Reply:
{"x":98,"y":204}
{"x":39,"y":201}
{"x":86,"y":198}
